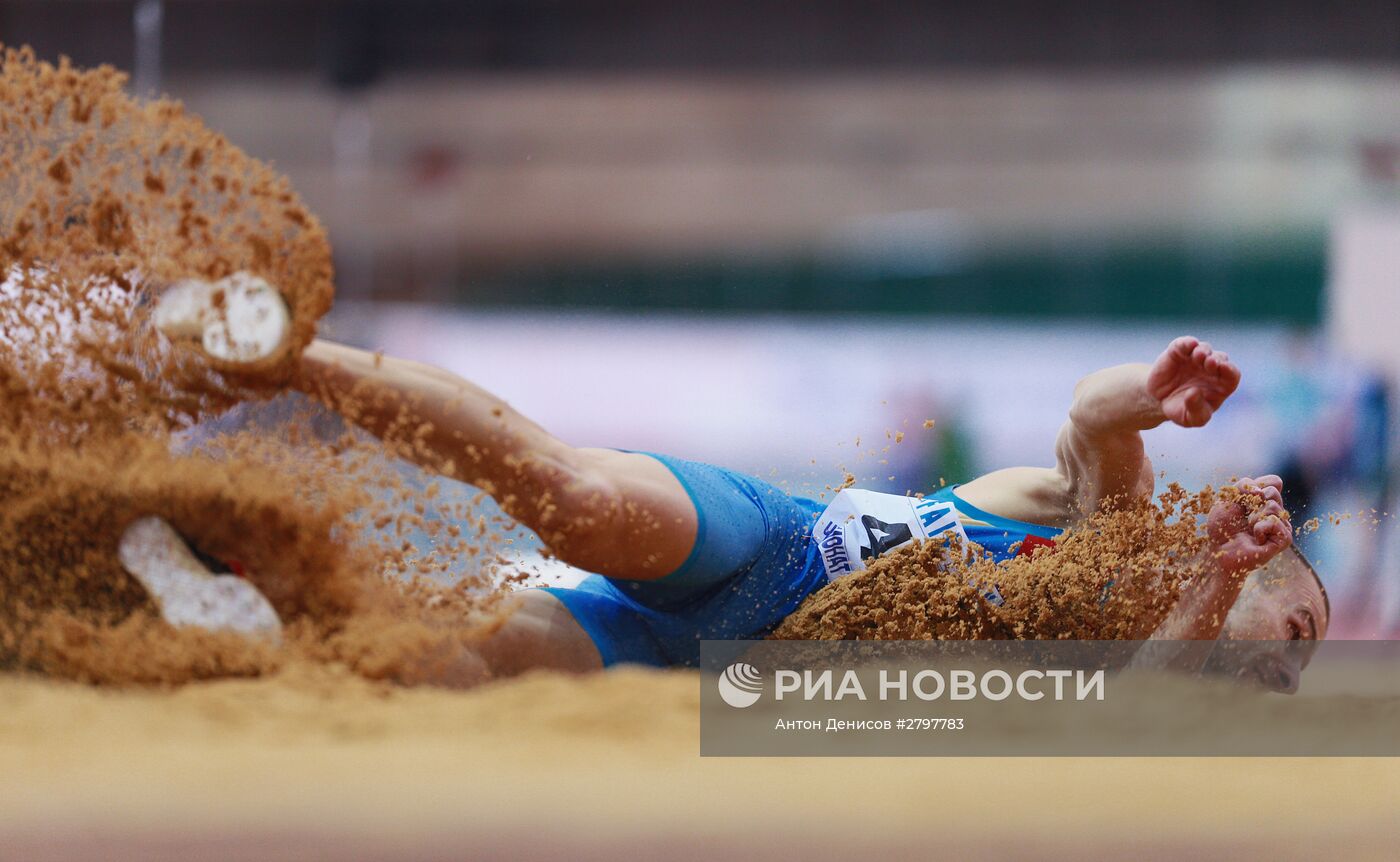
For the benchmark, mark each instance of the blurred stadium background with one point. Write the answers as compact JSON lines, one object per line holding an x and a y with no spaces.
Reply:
{"x":769,"y":234}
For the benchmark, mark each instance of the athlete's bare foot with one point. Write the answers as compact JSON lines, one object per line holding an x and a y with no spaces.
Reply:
{"x":187,"y":593}
{"x":240,"y":319}
{"x":1191,"y":381}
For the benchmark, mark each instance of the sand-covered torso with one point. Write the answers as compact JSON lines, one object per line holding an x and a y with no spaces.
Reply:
{"x":1115,"y":575}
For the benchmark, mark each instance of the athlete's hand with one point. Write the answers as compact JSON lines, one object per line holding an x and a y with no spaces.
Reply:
{"x":1191,"y":381}
{"x":1252,"y":527}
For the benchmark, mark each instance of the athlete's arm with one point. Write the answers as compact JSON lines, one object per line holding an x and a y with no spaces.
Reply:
{"x":1245,"y":534}
{"x":618,"y":514}
{"x":1099,"y":455}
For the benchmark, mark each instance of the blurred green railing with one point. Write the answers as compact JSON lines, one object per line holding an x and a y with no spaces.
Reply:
{"x":1276,"y":279}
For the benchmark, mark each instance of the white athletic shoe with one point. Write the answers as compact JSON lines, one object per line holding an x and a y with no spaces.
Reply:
{"x":186,"y":591}
{"x":240,"y":318}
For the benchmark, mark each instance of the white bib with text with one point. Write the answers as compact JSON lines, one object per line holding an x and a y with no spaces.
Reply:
{"x":862,"y":525}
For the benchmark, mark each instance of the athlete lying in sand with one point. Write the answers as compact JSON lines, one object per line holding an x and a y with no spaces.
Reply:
{"x":684,"y":551}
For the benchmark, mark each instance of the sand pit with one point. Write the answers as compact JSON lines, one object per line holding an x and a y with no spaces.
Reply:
{"x":311,"y":754}
{"x":324,"y":765}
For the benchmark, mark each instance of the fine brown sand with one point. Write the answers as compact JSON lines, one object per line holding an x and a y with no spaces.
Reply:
{"x":1113,"y":577}
{"x":319,"y":764}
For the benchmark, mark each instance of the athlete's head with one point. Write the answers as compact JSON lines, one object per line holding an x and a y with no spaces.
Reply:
{"x":1273,"y":629}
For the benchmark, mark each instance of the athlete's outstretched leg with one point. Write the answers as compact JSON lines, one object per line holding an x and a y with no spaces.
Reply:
{"x":615,"y":513}
{"x":619,"y":514}
{"x":536,"y":631}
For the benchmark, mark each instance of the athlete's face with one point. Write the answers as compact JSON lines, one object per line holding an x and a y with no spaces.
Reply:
{"x":1274,"y":627}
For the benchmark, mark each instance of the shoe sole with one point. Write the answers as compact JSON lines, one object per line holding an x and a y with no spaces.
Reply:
{"x":238,"y":320}
{"x":188,"y":594}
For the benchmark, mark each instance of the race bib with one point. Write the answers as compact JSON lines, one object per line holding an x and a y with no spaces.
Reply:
{"x":862,"y":525}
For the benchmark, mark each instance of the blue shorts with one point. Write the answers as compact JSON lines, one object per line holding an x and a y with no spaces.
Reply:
{"x":752,"y":564}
